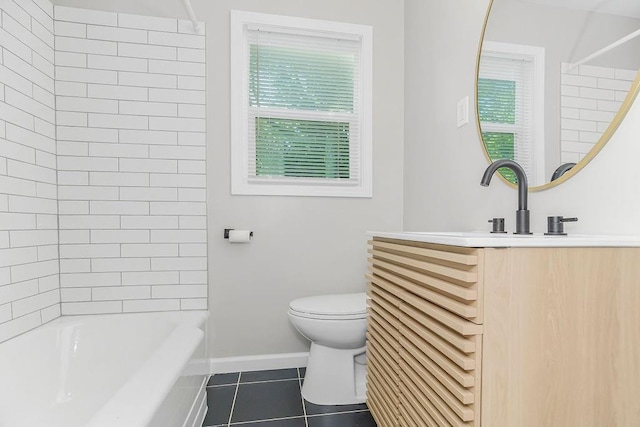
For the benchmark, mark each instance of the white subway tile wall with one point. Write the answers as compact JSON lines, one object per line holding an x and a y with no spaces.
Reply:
{"x":29,"y":275}
{"x":131,"y":162}
{"x":590,"y":99}
{"x":129,"y":195}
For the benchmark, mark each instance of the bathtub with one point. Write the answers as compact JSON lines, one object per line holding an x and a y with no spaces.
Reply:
{"x":121,"y":370}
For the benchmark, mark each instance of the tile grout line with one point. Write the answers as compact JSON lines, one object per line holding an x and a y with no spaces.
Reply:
{"x":235,"y":395}
{"x":251,"y":382}
{"x":240,"y":423}
{"x":323,"y":414}
{"x":304,"y":407}
{"x":272,"y":381}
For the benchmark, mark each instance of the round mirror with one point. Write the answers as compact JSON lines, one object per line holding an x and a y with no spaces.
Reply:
{"x":554,"y":80}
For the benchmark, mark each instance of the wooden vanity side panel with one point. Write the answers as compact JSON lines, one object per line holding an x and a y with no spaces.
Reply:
{"x":561,"y":343}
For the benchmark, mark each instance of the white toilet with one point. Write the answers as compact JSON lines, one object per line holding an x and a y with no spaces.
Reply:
{"x":336,"y":326}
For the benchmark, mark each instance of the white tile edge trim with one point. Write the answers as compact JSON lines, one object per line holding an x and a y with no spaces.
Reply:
{"x":222,"y":365}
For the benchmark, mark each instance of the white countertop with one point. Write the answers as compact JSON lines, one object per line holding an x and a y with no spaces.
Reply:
{"x":481,"y":239}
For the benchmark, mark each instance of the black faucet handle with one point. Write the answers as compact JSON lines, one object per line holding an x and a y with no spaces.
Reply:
{"x":497,"y":225}
{"x":555,"y":225}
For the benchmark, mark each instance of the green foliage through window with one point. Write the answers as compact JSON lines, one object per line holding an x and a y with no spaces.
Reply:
{"x":293,"y":90}
{"x":497,"y":105}
{"x":302,"y":148}
{"x":301,"y":79}
{"x":497,"y":100}
{"x":500,"y":145}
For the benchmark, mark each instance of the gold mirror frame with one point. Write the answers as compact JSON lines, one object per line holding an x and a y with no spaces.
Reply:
{"x":606,"y":136}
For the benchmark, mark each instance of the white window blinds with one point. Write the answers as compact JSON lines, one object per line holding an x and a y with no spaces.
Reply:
{"x":303,"y":107}
{"x":303,"y":112}
{"x":507,"y":107}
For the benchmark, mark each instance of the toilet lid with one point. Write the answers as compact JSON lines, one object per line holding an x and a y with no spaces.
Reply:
{"x":332,"y":305}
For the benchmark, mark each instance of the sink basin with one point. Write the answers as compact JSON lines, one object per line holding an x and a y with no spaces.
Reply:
{"x":485,"y":239}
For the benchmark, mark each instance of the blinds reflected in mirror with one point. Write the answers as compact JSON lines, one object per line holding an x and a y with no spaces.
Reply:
{"x":507,"y":103}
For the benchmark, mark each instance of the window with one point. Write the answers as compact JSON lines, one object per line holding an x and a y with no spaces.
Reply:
{"x":510,"y":106}
{"x":300,"y":106}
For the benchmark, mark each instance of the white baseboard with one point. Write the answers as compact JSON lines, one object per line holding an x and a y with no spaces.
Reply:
{"x":221,"y":365}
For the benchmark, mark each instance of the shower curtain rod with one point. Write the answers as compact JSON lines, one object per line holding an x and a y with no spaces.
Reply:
{"x":192,"y":15}
{"x":605,"y":49}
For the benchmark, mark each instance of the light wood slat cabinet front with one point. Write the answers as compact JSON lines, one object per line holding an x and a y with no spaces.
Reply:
{"x":503,"y":337}
{"x":430,"y":298}
{"x":383,"y":357}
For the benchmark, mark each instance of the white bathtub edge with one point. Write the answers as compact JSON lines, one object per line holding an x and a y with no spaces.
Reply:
{"x":164,"y":360}
{"x":263,"y":362}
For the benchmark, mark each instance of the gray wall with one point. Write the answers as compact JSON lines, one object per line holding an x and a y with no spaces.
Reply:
{"x":302,"y":246}
{"x":443,"y":164}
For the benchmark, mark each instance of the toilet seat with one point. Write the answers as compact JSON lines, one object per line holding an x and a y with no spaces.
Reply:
{"x":331,"y":307}
{"x":327,"y":316}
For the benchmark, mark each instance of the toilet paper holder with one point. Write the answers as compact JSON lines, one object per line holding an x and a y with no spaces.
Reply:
{"x":227,"y":230}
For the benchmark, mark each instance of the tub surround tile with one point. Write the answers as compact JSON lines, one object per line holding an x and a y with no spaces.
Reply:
{"x":146,"y":51}
{"x":50,"y":313}
{"x":147,"y":23}
{"x":588,"y":103}
{"x":146,"y":305}
{"x":19,"y":325}
{"x":105,"y":91}
{"x":193,"y":304}
{"x":28,"y":240}
{"x":123,"y":106}
{"x":85,"y":16}
{"x":17,"y":13}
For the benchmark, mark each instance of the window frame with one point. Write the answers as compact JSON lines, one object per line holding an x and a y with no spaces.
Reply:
{"x":241,"y":182}
{"x":536,"y":55}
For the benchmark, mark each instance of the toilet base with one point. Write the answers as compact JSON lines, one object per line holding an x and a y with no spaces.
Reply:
{"x":333,"y":377}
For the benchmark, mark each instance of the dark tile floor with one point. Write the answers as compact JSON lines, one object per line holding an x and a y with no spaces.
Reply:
{"x":273,"y":399}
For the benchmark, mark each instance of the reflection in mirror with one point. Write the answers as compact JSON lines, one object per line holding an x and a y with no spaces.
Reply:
{"x":555,"y":77}
{"x":561,"y":170}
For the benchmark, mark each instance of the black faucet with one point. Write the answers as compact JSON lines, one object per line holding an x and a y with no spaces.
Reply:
{"x":522,"y":214}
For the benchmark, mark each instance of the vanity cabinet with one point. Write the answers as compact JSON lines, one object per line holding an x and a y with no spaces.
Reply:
{"x":503,"y":337}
